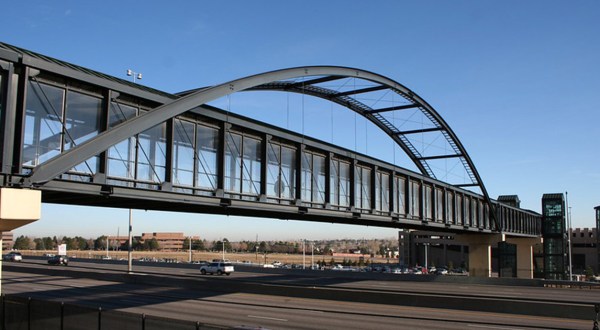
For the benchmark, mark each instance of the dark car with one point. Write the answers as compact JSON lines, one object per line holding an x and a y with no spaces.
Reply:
{"x":59,"y":260}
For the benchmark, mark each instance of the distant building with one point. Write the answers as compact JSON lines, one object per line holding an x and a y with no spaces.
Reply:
{"x":584,"y":243}
{"x":168,"y":241}
{"x":7,"y":240}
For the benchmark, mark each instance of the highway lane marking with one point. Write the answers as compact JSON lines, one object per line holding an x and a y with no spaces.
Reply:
{"x":493,"y":327}
{"x":267,"y":318}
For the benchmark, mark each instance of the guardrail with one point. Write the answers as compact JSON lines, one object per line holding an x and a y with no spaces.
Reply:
{"x":26,"y":313}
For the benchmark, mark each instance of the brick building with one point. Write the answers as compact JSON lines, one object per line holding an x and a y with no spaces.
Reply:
{"x":167,"y":241}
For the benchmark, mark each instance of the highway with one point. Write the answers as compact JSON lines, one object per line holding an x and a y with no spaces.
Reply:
{"x":281,"y":299}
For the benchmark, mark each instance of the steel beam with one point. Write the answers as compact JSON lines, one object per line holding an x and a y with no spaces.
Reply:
{"x":400,"y":107}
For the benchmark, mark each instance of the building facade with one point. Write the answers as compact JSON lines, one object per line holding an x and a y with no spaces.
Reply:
{"x":167,"y":241}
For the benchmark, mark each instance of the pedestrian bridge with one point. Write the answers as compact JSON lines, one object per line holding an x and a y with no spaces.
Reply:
{"x":82,"y":137}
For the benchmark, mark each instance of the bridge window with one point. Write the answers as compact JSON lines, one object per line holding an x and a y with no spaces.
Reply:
{"x":151,"y":156}
{"x":439,"y":192}
{"x":43,"y":123}
{"x":82,"y":122}
{"x":242,"y":165}
{"x":340,"y":183}
{"x":207,"y":157}
{"x":399,"y":195}
{"x":473,"y":214}
{"x":415,"y":198}
{"x":313,"y":178}
{"x":428,"y":201}
{"x":195,"y":151}
{"x":281,"y":172}
{"x":121,"y":156}
{"x":51,"y":128}
{"x":362,"y":190}
{"x":459,"y":209}
{"x":449,"y":207}
{"x":184,"y":154}
{"x":382,"y":191}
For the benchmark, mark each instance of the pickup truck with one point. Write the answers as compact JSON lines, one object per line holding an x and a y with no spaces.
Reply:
{"x":219,"y":268}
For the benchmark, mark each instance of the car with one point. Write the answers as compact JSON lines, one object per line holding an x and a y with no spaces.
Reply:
{"x":219,"y":268}
{"x":59,"y":260}
{"x":12,"y":256}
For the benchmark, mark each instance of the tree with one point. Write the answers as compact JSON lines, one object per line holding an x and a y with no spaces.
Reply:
{"x":151,"y":245}
{"x":198,"y":245}
{"x":22,"y":243}
{"x":100,"y":243}
{"x":589,"y":273}
{"x":39,"y":244}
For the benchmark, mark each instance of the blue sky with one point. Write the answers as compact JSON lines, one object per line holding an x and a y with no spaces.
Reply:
{"x":518,"y":82}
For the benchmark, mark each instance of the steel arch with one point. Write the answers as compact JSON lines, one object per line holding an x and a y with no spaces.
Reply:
{"x":276,"y":80}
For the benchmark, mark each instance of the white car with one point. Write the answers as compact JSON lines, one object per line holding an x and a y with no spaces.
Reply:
{"x":219,"y":268}
{"x":12,"y":256}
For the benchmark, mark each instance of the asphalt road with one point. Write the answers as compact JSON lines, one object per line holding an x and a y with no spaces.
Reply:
{"x":265,"y":297}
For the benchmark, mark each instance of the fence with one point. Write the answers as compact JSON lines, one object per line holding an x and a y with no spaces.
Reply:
{"x":20,"y":313}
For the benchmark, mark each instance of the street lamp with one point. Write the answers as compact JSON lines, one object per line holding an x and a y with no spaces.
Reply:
{"x":303,"y":253}
{"x":223,"y":243}
{"x":190,"y":256}
{"x":135,"y":75}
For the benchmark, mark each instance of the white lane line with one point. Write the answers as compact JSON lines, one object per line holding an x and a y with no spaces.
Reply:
{"x":493,"y":327}
{"x":267,"y":318}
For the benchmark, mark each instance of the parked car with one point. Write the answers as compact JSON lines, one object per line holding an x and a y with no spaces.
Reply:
{"x":219,"y":268}
{"x":59,"y":260}
{"x":12,"y":256}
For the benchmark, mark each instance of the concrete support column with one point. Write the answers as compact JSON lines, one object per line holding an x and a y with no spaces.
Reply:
{"x":480,"y":252}
{"x":18,"y":207}
{"x":480,"y":260}
{"x":524,"y":254}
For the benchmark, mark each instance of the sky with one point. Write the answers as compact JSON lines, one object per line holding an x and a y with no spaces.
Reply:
{"x":517,"y":81}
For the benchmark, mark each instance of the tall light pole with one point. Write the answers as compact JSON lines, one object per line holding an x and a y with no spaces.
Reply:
{"x":129,"y":244}
{"x":303,"y":253}
{"x":312,"y":254}
{"x":135,"y":75}
{"x":569,"y":237}
{"x":190,"y":257}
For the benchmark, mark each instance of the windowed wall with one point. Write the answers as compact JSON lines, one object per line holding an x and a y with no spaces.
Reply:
{"x":382,"y":192}
{"x":362,"y":190}
{"x":58,"y":118}
{"x":195,"y":157}
{"x":121,"y":157}
{"x":281,"y":173}
{"x":207,"y":160}
{"x":242,"y":165}
{"x":313,"y":178}
{"x":400,"y":195}
{"x":340,"y":184}
{"x":415,"y":199}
